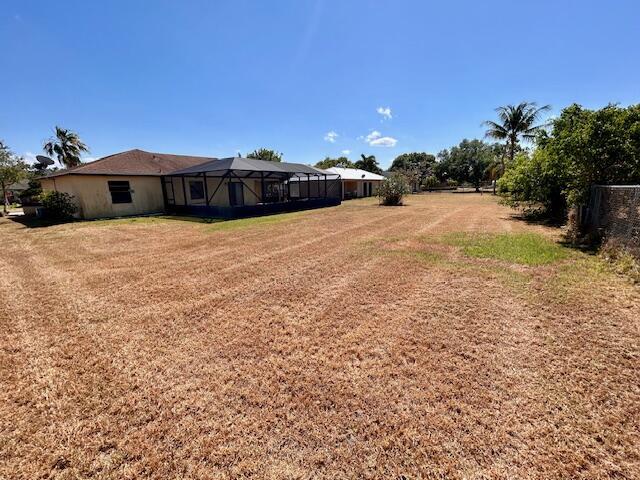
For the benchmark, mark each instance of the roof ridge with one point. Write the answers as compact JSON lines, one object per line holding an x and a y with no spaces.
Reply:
{"x":93,"y":162}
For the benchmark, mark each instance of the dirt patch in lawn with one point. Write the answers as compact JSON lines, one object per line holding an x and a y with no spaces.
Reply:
{"x":350,"y":342}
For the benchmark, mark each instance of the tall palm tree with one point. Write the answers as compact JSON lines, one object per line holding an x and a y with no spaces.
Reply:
{"x":67,"y":147}
{"x":516,"y":122}
{"x":368,"y":163}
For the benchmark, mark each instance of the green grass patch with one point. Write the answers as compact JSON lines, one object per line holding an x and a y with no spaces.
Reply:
{"x":522,"y":248}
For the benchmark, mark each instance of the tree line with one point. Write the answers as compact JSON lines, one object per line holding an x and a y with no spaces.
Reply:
{"x":581,"y":147}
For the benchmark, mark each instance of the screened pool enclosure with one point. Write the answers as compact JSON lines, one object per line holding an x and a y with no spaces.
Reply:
{"x":239,"y":187}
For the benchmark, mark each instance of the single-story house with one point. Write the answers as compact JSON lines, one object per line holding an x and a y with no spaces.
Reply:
{"x":13,"y":191}
{"x":136,"y":182}
{"x":357,"y":183}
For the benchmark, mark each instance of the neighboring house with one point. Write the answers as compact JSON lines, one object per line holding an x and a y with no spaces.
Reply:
{"x":138,"y":182}
{"x":357,"y":183}
{"x":15,"y":190}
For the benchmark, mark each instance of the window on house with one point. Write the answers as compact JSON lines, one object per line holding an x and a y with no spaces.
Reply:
{"x":196,"y":189}
{"x":120,"y":191}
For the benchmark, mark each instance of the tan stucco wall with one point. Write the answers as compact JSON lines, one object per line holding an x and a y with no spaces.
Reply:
{"x":91,"y":193}
{"x":358,"y":186}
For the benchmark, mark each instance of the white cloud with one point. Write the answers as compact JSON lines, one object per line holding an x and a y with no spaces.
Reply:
{"x":29,"y":157}
{"x":384,"y":142}
{"x":375,"y":139}
{"x":372,"y":136}
{"x":346,"y":152}
{"x":385,"y":112}
{"x":331,"y":137}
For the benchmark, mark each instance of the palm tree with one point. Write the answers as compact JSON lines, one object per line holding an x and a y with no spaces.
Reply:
{"x":368,"y":164}
{"x":67,"y":146}
{"x":516,"y":122}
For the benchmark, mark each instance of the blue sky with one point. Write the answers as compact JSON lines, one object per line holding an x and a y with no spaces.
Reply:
{"x":386,"y":77}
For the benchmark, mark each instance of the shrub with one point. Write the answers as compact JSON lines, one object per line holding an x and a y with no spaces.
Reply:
{"x":430,"y":182}
{"x":536,"y":184}
{"x":393,"y":189}
{"x":452,"y":183}
{"x":58,"y":205}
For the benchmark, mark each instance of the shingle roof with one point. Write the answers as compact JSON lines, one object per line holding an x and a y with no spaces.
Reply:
{"x":135,"y":162}
{"x":248,"y":165}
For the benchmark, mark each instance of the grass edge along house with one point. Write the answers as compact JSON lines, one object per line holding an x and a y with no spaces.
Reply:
{"x":137,"y":182}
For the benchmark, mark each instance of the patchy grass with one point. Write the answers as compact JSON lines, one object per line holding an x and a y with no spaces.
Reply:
{"x":346,"y":342}
{"x":523,"y":248}
{"x":622,"y":262}
{"x":241,"y":223}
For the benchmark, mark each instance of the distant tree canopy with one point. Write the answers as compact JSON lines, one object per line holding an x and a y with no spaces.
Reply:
{"x":416,"y":165}
{"x":585,"y":147}
{"x":466,"y":162}
{"x":329,"y":162}
{"x":368,"y":163}
{"x":12,"y":170}
{"x":265,"y":154}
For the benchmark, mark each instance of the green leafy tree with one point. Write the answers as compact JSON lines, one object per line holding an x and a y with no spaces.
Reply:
{"x":516,"y":122}
{"x":265,"y":154}
{"x":368,"y":163}
{"x":430,"y":182}
{"x":12,"y":170}
{"x":536,"y":183}
{"x":393,"y":189}
{"x":441,"y":169}
{"x":66,"y":146}
{"x":328,"y":162}
{"x":467,"y":162}
{"x":419,"y":165}
{"x":598,"y":146}
{"x":585,"y":147}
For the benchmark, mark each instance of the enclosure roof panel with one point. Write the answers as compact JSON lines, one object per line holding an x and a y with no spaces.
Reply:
{"x":248,"y":165}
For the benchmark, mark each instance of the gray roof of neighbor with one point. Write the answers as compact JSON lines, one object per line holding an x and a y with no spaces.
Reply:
{"x":135,"y":162}
{"x":248,"y":165}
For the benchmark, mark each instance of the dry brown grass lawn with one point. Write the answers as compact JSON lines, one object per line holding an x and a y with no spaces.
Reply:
{"x":349,"y":342}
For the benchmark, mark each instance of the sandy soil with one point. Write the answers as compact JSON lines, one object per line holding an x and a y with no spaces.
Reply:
{"x":346,"y":342}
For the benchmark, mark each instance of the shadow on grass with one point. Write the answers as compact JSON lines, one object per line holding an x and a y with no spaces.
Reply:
{"x":539,"y":219}
{"x":589,"y":245}
{"x":35,"y":222}
{"x":466,"y":192}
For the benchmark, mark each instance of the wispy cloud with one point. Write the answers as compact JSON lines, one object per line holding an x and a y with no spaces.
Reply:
{"x":29,"y":157}
{"x":385,"y":112}
{"x":346,"y":152}
{"x":375,"y":139}
{"x":331,"y":136}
